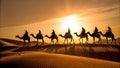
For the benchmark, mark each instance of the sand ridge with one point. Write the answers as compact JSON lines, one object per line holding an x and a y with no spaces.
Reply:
{"x":47,"y":60}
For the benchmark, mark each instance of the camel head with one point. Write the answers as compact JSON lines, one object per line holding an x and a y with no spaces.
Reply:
{"x":46,"y":35}
{"x":75,"y":33}
{"x":88,"y":32}
{"x":60,"y":34}
{"x":31,"y":34}
{"x":100,"y":32}
{"x":17,"y":36}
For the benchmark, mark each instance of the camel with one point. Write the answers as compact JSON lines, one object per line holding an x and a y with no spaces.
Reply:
{"x":38,"y":37}
{"x":67,"y":36}
{"x":24,"y":38}
{"x":108,"y":35}
{"x":95,"y":35}
{"x":52,"y":38}
{"x":82,"y":36}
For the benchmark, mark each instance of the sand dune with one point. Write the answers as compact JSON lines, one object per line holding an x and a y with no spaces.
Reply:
{"x":47,"y":60}
{"x":58,"y":56}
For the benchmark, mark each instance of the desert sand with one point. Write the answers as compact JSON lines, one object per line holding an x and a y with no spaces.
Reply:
{"x":59,"y":56}
{"x":47,"y":60}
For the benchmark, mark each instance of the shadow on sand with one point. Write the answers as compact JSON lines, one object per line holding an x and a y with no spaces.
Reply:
{"x":99,"y":51}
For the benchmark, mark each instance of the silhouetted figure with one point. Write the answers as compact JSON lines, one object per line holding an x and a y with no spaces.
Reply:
{"x":26,"y":34}
{"x":52,"y":37}
{"x":96,"y":30}
{"x":82,"y":35}
{"x":109,"y":30}
{"x":109,"y":34}
{"x":83,"y":31}
{"x":67,"y":36}
{"x":69,"y":32}
{"x":53,"y":33}
{"x":95,"y":34}
{"x":24,"y":37}
{"x":38,"y":36}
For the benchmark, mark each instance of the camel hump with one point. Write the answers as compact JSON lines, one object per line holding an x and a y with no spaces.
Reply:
{"x":109,"y":34}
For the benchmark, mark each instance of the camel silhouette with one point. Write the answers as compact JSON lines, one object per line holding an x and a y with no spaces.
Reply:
{"x":95,"y":34}
{"x":108,"y":35}
{"x":82,"y":36}
{"x":24,"y":37}
{"x":39,"y":36}
{"x":52,"y":37}
{"x":67,"y":36}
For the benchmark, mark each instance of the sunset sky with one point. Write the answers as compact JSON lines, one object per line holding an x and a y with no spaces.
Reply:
{"x":32,"y":15}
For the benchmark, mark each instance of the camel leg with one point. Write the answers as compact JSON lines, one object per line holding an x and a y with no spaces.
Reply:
{"x":82,"y":40}
{"x":79,"y":40}
{"x":100,"y":40}
{"x":37,"y":41}
{"x":64,"y":41}
{"x":24,"y":43}
{"x":70,"y":40}
{"x":73,"y":41}
{"x":51,"y":41}
{"x":43,"y":41}
{"x":86,"y":39}
{"x":113,"y":39}
{"x":93,"y":40}
{"x":29,"y":42}
{"x":67,"y":41}
{"x":56,"y":40}
{"x":107,"y":40}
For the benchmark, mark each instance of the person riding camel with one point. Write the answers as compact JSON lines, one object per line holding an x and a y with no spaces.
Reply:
{"x":109,"y":29}
{"x":38,"y":34}
{"x":26,"y":34}
{"x":69,"y":32}
{"x":53,"y":33}
{"x":83,"y":31}
{"x":96,"y":30}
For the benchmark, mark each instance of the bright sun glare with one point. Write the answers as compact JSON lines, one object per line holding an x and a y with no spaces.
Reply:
{"x":70,"y":21}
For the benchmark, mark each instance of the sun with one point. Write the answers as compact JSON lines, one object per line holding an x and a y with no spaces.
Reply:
{"x":71,"y":22}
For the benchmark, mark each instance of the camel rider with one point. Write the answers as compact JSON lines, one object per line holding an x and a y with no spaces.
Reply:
{"x":83,"y":31}
{"x":109,"y":30}
{"x":53,"y":33}
{"x":96,"y":30}
{"x":38,"y":34}
{"x":26,"y":34}
{"x":69,"y":32}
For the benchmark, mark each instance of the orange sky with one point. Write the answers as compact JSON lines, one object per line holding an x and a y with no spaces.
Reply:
{"x":17,"y":16}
